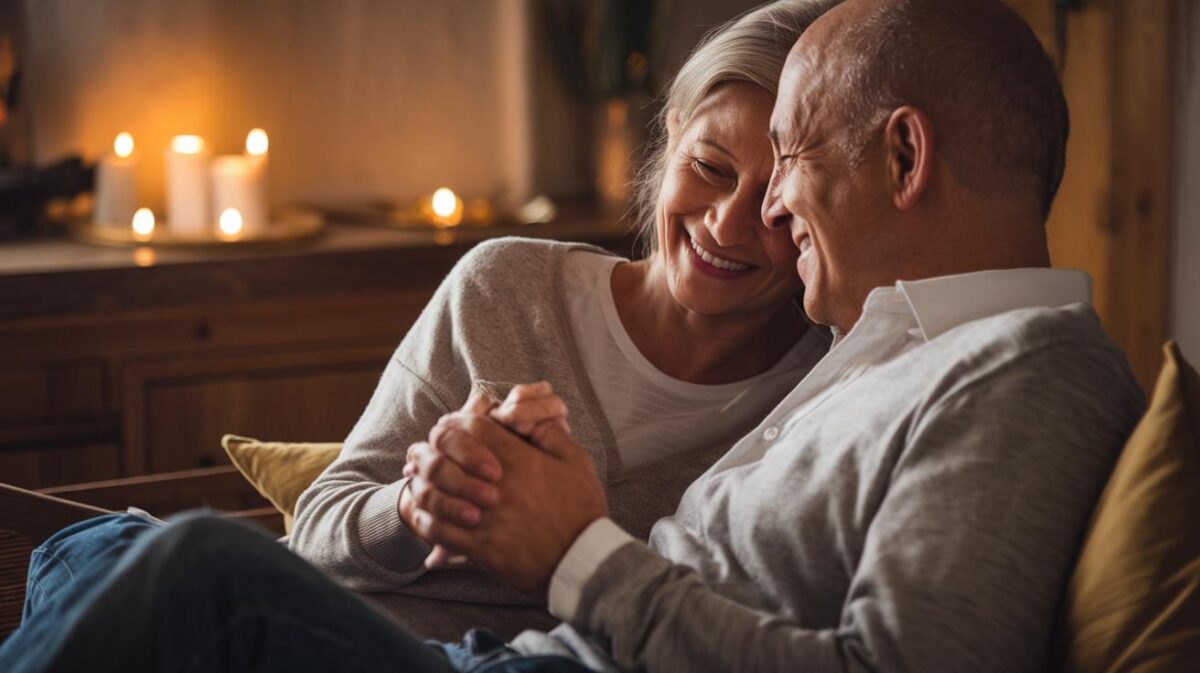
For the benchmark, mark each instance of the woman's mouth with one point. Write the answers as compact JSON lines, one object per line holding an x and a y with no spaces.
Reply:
{"x":713,"y":264}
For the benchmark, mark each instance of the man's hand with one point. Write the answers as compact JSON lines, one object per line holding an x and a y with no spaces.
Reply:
{"x":456,"y":483}
{"x":549,"y":493}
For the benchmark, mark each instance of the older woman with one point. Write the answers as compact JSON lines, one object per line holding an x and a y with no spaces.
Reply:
{"x":662,"y":362}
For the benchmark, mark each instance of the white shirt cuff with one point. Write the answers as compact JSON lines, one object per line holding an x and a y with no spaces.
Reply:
{"x":593,"y":546}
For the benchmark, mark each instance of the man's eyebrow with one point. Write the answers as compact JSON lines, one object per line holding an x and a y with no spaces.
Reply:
{"x":717,"y":146}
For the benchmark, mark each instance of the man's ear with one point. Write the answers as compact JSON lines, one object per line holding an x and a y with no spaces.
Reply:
{"x":908,"y":142}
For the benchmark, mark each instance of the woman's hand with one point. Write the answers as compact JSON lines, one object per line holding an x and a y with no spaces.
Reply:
{"x":529,"y":404}
{"x":453,"y":474}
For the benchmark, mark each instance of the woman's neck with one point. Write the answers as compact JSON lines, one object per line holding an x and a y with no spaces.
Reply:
{"x":693,"y":347}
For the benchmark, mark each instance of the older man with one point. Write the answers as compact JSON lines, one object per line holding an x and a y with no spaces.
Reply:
{"x":915,"y":503}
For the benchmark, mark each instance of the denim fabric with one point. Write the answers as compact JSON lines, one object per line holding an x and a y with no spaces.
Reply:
{"x":202,"y":593}
{"x":70,"y":553}
{"x":482,"y":651}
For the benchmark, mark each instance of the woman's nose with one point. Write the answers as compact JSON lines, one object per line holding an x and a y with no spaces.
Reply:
{"x":732,"y":222}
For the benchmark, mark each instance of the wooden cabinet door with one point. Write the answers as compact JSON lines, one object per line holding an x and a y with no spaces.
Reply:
{"x":175,"y":412}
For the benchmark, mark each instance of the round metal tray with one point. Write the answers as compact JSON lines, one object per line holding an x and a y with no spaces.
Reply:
{"x":294,"y":224}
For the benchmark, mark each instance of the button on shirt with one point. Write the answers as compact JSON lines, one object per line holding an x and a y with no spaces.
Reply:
{"x":894,"y":320}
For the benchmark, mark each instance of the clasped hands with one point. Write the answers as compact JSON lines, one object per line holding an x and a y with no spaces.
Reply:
{"x":504,"y":485}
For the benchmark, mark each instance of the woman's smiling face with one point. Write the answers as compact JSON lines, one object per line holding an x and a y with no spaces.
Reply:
{"x":720,"y":259}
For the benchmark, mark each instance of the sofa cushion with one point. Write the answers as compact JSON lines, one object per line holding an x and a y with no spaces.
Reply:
{"x":280,"y":471}
{"x":1133,"y":602}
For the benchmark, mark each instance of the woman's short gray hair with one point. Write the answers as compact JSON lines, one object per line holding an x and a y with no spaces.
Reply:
{"x":751,"y":48}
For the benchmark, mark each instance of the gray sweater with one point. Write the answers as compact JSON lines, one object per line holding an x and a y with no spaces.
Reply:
{"x":498,"y":319}
{"x":920,"y":513}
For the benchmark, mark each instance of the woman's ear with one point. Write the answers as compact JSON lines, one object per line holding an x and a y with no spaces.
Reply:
{"x":672,"y":122}
{"x":908,"y":144}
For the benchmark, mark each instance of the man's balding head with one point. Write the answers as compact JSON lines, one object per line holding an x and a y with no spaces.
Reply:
{"x":913,"y":139}
{"x":977,"y":70}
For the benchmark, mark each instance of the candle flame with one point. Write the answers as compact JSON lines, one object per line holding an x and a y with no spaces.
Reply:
{"x":444,"y":202}
{"x":123,"y":145}
{"x":257,"y":142}
{"x":143,"y":224}
{"x":188,"y":144}
{"x":230,"y":223}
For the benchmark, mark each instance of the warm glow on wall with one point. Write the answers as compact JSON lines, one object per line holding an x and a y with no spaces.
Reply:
{"x":257,"y":142}
{"x":123,"y":145}
{"x":187,"y":144}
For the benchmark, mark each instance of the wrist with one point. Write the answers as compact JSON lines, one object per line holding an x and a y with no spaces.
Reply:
{"x":406,"y":504}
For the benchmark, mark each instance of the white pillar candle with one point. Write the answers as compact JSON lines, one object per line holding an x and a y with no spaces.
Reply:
{"x":240,"y":183}
{"x":188,"y":197}
{"x":116,"y":184}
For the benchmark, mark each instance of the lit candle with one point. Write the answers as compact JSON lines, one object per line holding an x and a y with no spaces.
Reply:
{"x":240,"y":183}
{"x":143,"y":225}
{"x":446,"y":207}
{"x":230,"y":225}
{"x":187,"y":187}
{"x":116,"y":184}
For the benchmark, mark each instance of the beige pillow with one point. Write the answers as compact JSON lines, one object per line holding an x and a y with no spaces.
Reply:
{"x":280,"y":471}
{"x":1133,"y":603}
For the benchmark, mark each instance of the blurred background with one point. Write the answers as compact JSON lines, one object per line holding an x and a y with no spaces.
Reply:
{"x":127,"y":359}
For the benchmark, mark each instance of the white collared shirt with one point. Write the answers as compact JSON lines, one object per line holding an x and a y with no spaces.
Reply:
{"x":894,"y":320}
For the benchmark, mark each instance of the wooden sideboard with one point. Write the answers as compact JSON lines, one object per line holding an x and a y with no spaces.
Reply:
{"x":124,"y":362}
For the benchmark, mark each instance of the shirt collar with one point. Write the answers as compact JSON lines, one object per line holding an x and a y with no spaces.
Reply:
{"x":943,"y":303}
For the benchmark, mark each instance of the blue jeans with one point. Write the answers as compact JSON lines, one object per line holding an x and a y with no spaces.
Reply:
{"x":122,"y":592}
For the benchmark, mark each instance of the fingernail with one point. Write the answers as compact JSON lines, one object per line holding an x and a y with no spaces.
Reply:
{"x":469,"y":514}
{"x":490,"y":495}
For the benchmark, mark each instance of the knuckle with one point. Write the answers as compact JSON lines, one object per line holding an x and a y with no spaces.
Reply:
{"x":422,"y":493}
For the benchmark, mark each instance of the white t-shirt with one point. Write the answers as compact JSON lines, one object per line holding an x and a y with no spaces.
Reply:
{"x":654,"y":415}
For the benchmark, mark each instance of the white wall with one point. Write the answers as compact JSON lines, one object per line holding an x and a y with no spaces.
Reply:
{"x":362,"y":98}
{"x":1185,"y":286}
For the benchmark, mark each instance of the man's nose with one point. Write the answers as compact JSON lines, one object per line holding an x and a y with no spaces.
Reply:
{"x":774,"y":214}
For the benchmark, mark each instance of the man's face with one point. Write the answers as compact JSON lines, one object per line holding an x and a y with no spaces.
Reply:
{"x":832,"y":206}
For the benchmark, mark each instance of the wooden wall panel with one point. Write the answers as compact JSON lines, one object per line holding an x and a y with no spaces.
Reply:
{"x":1143,"y":108}
{"x":1112,"y":217}
{"x":1080,"y":226}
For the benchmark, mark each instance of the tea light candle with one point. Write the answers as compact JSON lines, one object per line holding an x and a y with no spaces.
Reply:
{"x":143,"y":225}
{"x":116,"y":184}
{"x":240,"y":183}
{"x":187,"y":187}
{"x":231,"y":225}
{"x":446,"y":208}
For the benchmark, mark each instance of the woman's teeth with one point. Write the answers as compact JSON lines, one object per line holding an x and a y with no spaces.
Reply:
{"x":718,"y":262}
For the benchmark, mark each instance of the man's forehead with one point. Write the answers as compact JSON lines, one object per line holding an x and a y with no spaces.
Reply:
{"x":795,"y":101}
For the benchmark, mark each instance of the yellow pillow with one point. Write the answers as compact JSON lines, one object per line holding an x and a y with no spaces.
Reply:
{"x":280,"y":471}
{"x":1133,"y":602}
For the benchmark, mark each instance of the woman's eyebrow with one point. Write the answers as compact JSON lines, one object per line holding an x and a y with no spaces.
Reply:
{"x":717,"y":146}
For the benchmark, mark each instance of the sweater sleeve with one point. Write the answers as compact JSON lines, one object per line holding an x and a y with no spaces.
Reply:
{"x":962,"y":566}
{"x":348,"y":521}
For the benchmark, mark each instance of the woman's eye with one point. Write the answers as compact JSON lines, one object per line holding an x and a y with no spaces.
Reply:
{"x":710,"y":171}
